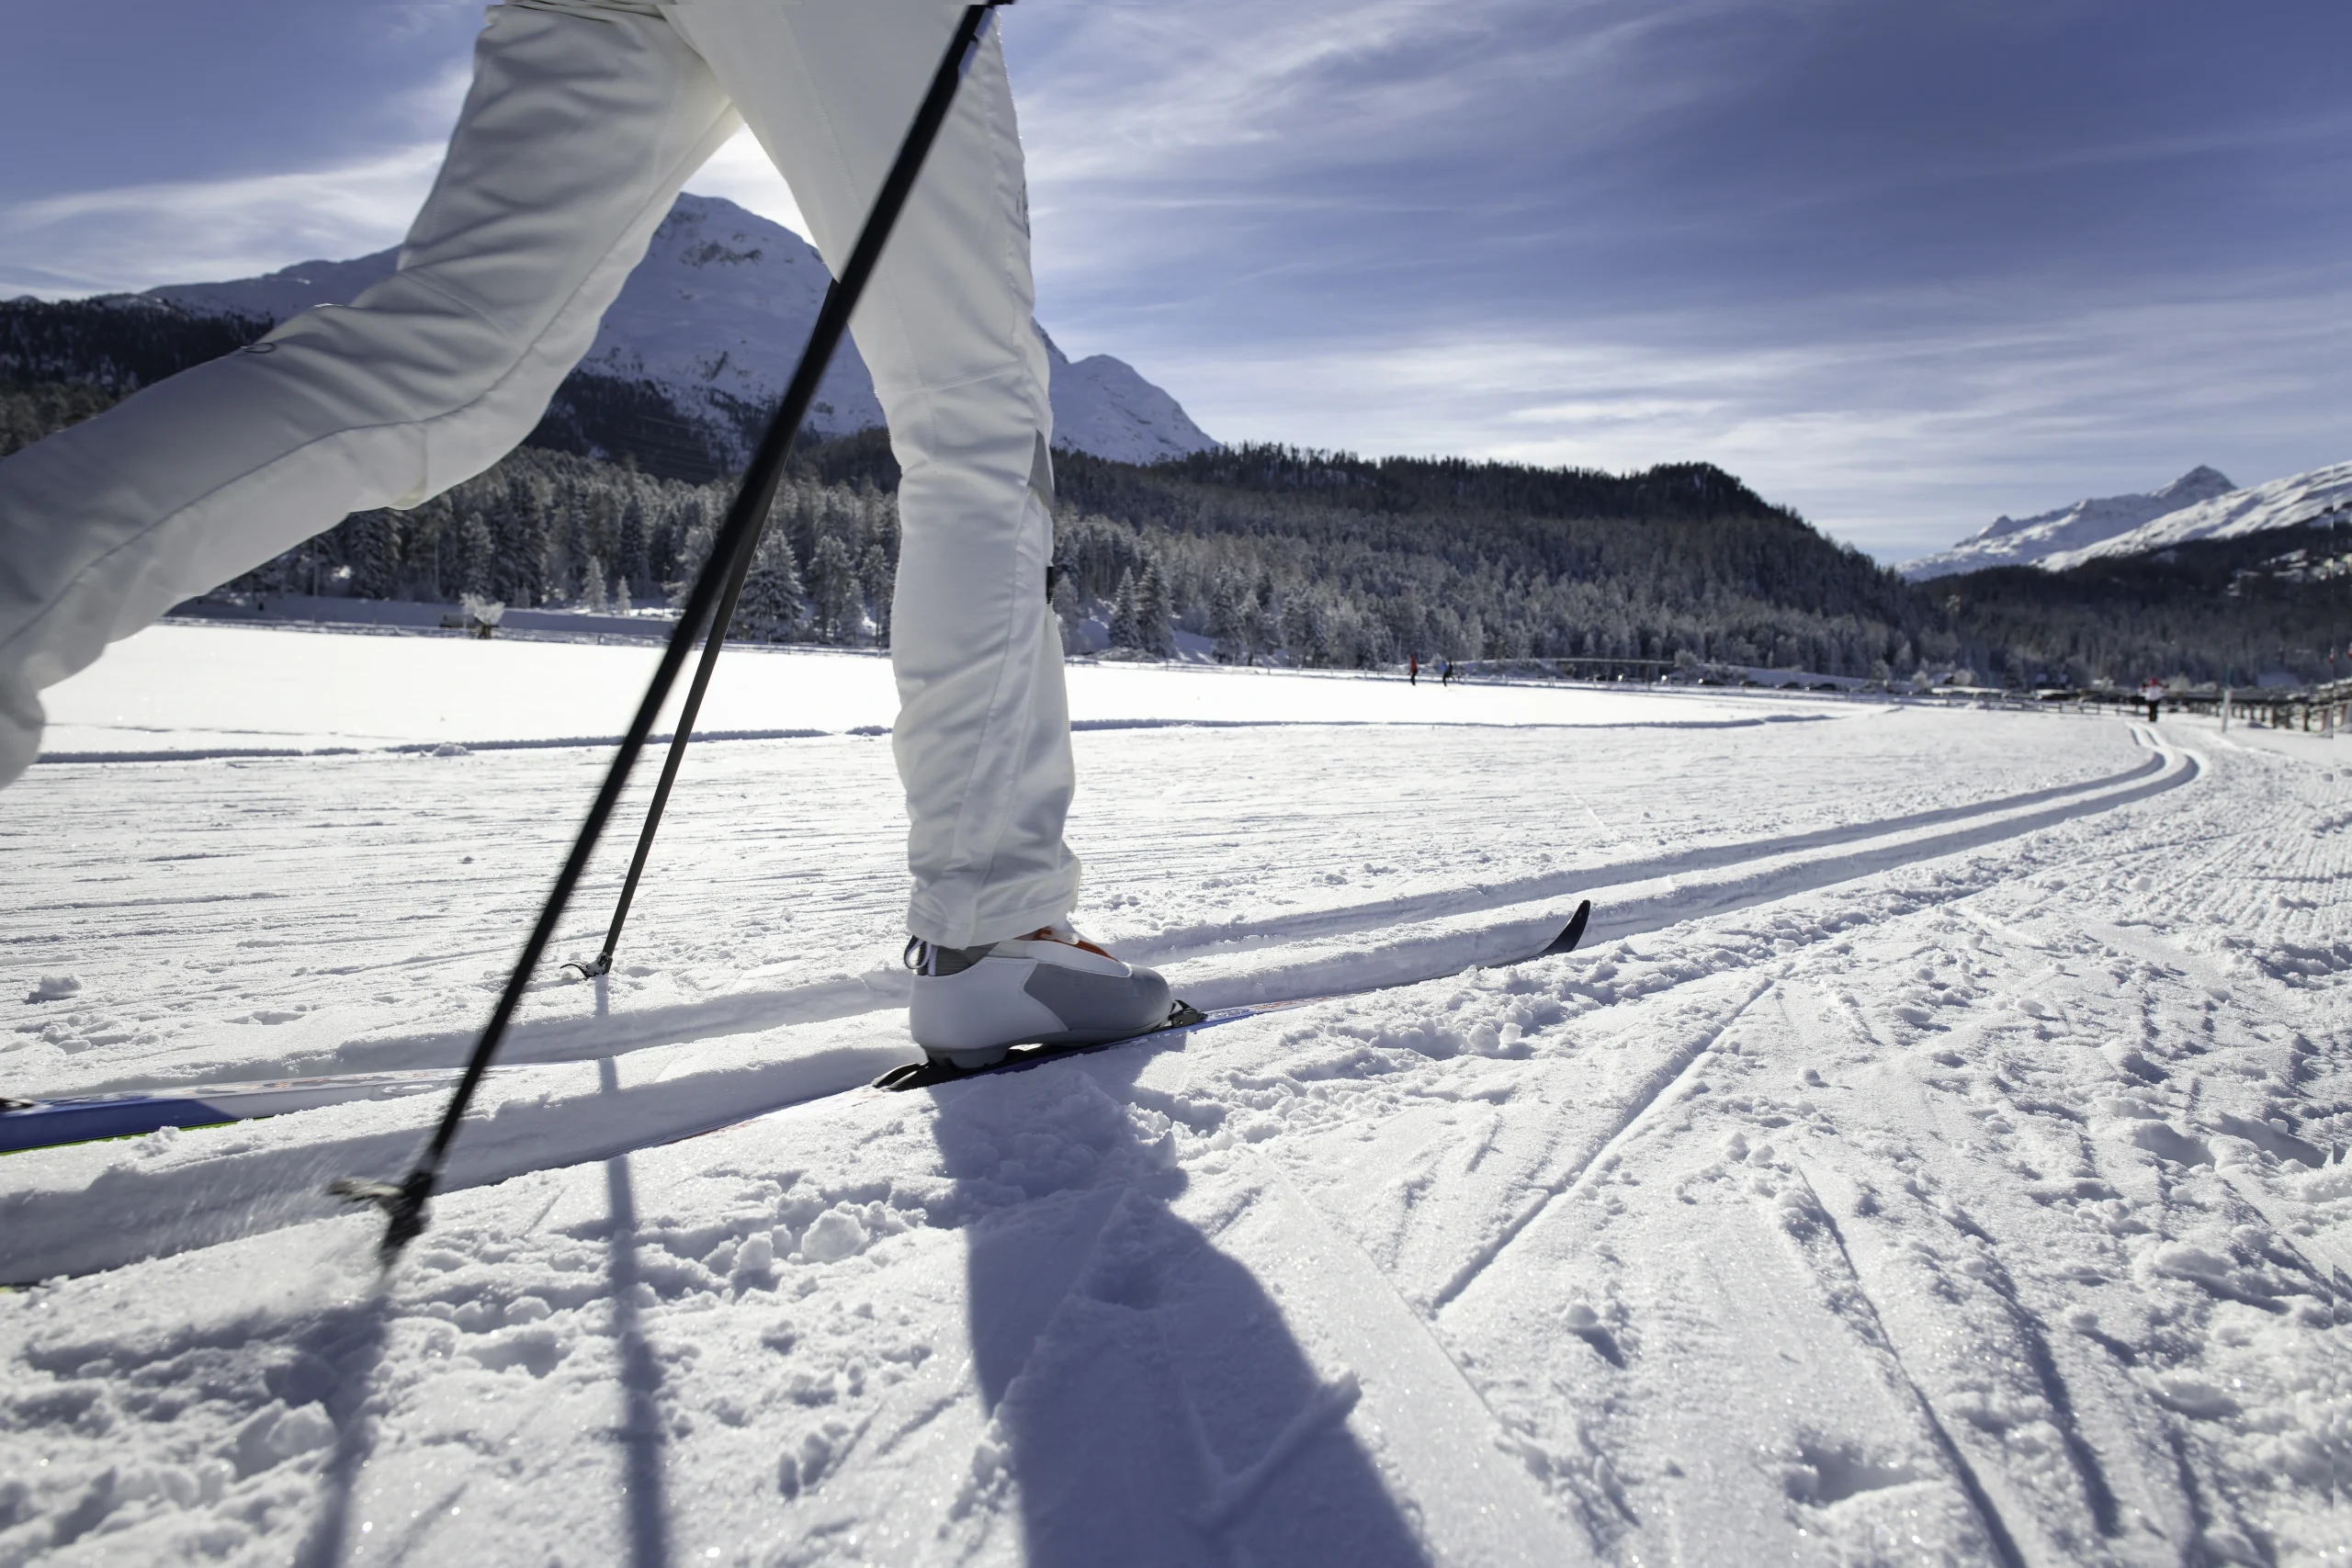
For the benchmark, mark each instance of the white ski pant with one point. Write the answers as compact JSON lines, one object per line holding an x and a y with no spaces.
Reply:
{"x":584,"y":118}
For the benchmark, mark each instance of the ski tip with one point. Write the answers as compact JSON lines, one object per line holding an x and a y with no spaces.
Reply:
{"x":1573,"y":933}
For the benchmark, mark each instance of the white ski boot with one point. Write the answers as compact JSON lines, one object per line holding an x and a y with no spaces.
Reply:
{"x":1050,"y":987}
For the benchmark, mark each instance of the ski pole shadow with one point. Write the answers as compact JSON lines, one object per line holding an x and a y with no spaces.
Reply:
{"x":348,"y":1348}
{"x":1154,"y":1409}
{"x":644,"y":1484}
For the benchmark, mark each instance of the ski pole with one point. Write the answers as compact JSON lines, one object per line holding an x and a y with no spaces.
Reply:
{"x":725,"y":615}
{"x":721,"y":575}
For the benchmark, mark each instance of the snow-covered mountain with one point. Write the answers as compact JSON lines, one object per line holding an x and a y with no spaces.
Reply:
{"x":2031,"y":541}
{"x":2281,"y":503}
{"x":2200,"y":504}
{"x":714,"y":318}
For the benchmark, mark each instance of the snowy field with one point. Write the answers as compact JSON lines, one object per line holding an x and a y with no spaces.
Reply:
{"x":191,"y":689}
{"x":1935,"y":1153}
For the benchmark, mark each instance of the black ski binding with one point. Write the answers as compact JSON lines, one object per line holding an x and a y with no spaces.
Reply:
{"x":930,"y":1074}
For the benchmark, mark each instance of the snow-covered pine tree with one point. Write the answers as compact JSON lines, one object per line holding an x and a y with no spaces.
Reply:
{"x":521,"y":531}
{"x":877,"y":579}
{"x":769,"y":610}
{"x":1226,"y":622}
{"x":1256,"y":638}
{"x":630,"y":549}
{"x":1155,"y":612}
{"x":477,"y":558}
{"x":1067,"y":607}
{"x":592,"y":587}
{"x":662,"y":546}
{"x":372,"y":548}
{"x":832,"y":589}
{"x":1301,"y":626}
{"x":1126,"y":615}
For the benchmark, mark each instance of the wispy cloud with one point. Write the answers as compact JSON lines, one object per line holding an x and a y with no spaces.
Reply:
{"x":138,"y":236}
{"x":1902,"y":267}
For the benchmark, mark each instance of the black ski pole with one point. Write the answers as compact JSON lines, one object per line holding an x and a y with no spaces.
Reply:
{"x":721,"y":575}
{"x":724,"y":617}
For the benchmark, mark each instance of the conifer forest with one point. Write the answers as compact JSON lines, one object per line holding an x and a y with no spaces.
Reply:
{"x":1264,"y":553}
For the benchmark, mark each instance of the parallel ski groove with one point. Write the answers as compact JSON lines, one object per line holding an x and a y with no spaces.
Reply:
{"x":1658,"y":1088}
{"x":1838,"y":868}
{"x":545,"y":1040}
{"x":1996,"y":1529}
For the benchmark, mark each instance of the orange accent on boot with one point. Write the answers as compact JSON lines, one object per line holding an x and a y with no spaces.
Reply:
{"x":1068,"y":939}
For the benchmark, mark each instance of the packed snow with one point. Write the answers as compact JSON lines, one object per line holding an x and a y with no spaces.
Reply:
{"x":1936,"y":1151}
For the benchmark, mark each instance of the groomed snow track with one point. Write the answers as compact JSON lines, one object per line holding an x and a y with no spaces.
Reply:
{"x":564,"y":1093}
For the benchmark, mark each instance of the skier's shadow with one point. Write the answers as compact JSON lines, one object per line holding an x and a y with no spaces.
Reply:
{"x":1152,"y":1402}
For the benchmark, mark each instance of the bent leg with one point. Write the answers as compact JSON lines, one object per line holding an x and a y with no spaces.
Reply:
{"x":983,"y":732}
{"x":574,"y":138}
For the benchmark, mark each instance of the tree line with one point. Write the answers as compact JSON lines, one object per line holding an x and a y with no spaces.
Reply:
{"x":1263,"y":553}
{"x":2222,"y":612}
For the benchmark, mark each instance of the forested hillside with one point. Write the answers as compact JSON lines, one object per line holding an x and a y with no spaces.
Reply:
{"x":2217,"y":610}
{"x":1315,"y":558}
{"x":1345,"y":560}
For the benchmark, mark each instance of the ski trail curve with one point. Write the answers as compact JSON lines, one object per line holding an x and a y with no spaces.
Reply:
{"x":262,"y":1181}
{"x":1246,"y":963}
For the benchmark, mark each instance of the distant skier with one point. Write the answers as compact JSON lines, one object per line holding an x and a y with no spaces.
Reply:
{"x":1445,"y":672}
{"x":2152,"y":693}
{"x":1413,"y":670}
{"x":584,"y":121}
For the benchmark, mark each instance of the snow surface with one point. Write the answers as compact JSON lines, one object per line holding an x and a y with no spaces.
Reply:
{"x":196,"y":687}
{"x":715,"y":316}
{"x":2031,"y":541}
{"x":1934,"y":1155}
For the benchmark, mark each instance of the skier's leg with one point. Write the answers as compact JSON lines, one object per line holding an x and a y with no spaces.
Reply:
{"x":573,"y":139}
{"x":983,"y":732}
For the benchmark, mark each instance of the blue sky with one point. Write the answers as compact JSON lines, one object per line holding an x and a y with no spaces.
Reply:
{"x":1903,"y":266}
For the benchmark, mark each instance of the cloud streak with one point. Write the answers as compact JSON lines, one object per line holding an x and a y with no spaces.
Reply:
{"x":1903,"y":267}
{"x":136,"y":236}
